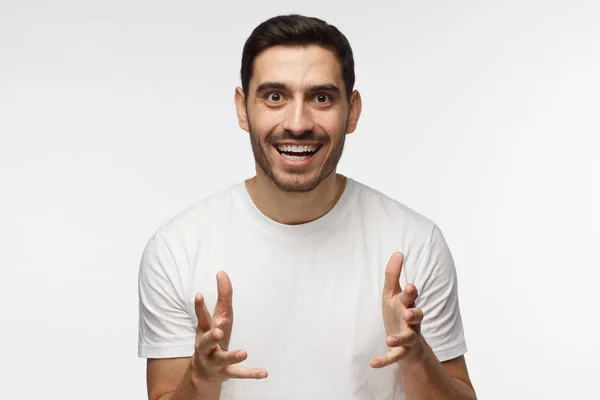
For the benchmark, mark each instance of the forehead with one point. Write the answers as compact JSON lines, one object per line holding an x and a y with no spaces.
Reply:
{"x":297,"y":66}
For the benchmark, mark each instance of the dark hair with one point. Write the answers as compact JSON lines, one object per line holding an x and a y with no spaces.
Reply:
{"x":297,"y":30}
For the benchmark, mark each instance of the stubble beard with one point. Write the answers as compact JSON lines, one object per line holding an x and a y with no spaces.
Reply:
{"x":298,"y":185}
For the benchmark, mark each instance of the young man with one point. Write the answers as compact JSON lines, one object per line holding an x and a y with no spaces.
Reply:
{"x":340,"y":292}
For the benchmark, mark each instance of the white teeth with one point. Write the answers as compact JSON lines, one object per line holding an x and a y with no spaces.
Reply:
{"x":294,"y":158}
{"x":297,"y":148}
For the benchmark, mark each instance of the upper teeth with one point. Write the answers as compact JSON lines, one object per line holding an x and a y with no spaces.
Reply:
{"x":298,"y":149}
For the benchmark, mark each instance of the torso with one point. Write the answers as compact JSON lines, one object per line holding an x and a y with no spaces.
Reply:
{"x":307,"y":308}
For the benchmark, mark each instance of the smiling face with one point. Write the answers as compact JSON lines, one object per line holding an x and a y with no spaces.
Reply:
{"x":297,"y":114}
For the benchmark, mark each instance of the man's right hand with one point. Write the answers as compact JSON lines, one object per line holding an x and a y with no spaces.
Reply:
{"x":212,"y":362}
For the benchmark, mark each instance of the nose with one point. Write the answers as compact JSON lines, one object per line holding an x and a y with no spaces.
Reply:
{"x":298,"y":119}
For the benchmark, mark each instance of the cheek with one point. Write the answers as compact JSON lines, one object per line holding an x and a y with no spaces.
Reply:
{"x":333,"y":124}
{"x":263,"y":125}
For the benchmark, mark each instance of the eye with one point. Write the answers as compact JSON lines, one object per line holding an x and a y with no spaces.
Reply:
{"x":274,"y":97}
{"x":322,"y":98}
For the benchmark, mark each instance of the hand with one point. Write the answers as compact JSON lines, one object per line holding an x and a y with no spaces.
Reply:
{"x":402,"y":320}
{"x":212,"y":361}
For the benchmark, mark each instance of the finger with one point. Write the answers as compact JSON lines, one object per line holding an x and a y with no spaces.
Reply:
{"x":224,"y":358}
{"x":204,"y":319}
{"x":392,"y":356}
{"x":208,"y":341}
{"x":409,"y":295}
{"x":391,"y":286}
{"x":224,"y":295}
{"x":237,"y":372}
{"x":406,"y":338}
{"x":413,"y":316}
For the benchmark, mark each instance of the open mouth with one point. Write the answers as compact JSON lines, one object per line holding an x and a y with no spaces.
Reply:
{"x":295,"y":152}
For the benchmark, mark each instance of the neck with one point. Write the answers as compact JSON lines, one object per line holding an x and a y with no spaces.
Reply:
{"x":295,"y":208}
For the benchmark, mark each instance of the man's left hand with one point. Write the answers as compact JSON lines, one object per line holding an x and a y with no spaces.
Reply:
{"x":402,"y":320}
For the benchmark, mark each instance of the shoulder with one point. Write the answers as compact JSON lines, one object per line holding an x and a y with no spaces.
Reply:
{"x":390,"y":212}
{"x":200,"y":218}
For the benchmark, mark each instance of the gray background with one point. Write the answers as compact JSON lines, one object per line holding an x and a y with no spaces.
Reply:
{"x":116,"y":115}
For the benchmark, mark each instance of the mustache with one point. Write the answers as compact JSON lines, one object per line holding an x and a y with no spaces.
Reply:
{"x":304,"y":136}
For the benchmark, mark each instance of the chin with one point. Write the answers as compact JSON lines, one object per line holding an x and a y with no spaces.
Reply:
{"x":297,"y":183}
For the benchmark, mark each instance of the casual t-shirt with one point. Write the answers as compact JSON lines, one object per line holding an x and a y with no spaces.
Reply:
{"x":306,"y":298}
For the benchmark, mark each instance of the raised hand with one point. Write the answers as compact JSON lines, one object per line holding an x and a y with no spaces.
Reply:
{"x":402,"y":320}
{"x":212,"y":360}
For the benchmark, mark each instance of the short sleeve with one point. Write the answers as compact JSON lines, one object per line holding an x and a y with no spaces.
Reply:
{"x":166,"y":329}
{"x":436,"y":281}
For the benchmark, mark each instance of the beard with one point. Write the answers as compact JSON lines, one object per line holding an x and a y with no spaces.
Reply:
{"x":291,"y":181}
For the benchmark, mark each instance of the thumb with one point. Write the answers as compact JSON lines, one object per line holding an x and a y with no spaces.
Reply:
{"x":391,"y":286}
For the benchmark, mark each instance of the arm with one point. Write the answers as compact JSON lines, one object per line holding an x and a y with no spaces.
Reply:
{"x":426,"y":378}
{"x":438,"y":324}
{"x":201,"y":376}
{"x":186,"y":361}
{"x":425,"y":328}
{"x":175,"y":379}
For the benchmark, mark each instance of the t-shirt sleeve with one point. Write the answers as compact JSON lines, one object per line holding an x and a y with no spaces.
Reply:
{"x":437,"y":284}
{"x":166,"y":329}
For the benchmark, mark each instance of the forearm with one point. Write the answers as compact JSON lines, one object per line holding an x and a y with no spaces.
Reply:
{"x":425,"y":378}
{"x":193,"y":388}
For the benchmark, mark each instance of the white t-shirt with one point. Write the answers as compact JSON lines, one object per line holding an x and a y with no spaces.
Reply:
{"x":306,"y":298}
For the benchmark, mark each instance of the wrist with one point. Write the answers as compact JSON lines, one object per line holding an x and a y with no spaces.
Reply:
{"x":200,"y":384}
{"x":416,"y":354}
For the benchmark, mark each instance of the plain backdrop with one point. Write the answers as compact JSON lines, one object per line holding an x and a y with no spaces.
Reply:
{"x":116,"y":115}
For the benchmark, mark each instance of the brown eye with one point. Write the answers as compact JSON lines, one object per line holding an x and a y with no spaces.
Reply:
{"x":274,"y":97}
{"x":322,"y":98}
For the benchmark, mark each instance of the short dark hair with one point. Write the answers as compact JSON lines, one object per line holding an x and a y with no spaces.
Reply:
{"x":297,"y":30}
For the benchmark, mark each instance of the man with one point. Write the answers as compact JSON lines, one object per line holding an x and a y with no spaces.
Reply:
{"x":340,"y":292}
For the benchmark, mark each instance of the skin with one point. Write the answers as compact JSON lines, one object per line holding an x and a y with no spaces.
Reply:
{"x":291,"y":111}
{"x":296,"y":95}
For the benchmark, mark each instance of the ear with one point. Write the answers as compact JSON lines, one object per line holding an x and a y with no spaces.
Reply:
{"x":355,"y":110}
{"x":240,"y":108}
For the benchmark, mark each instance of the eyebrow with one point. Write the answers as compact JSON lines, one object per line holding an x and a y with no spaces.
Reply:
{"x":328,"y":87}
